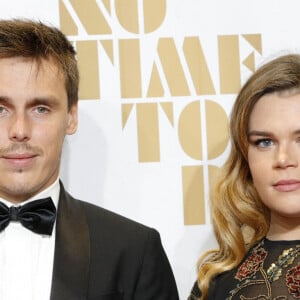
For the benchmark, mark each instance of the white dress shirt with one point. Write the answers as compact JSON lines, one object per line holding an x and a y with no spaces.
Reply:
{"x":26,"y":258}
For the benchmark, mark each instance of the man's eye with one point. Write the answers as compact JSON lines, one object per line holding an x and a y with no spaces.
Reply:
{"x":42,"y":110}
{"x":263,"y":143}
{"x":2,"y":109}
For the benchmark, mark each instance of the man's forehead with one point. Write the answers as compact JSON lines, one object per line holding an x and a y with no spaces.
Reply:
{"x":35,"y":64}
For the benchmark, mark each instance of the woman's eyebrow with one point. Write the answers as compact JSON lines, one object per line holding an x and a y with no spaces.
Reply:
{"x":259,"y":133}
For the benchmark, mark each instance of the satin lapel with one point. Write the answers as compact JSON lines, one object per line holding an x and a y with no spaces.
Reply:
{"x":72,"y":251}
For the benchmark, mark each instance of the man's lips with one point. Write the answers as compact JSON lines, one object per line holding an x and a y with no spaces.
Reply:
{"x":289,"y":185}
{"x":18,"y":155}
{"x":19,"y":159}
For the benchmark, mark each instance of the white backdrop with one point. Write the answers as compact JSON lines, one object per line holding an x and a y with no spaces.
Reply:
{"x":152,"y":126}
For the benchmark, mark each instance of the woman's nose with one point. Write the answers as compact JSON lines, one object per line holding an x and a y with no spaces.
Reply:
{"x":286,"y":156}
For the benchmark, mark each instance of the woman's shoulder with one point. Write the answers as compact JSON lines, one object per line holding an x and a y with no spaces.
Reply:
{"x":217,"y":285}
{"x":195,"y":292}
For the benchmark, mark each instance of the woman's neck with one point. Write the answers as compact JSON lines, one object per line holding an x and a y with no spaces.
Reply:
{"x":284,"y":228}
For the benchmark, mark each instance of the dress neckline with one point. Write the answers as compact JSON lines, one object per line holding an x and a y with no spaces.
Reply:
{"x":269,"y":242}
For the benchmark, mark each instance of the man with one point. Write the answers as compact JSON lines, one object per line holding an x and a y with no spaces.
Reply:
{"x":53,"y":246}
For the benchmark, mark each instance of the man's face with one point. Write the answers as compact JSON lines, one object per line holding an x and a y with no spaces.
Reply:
{"x":34,"y":119}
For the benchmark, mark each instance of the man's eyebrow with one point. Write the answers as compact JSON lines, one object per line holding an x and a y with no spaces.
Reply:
{"x":51,"y":100}
{"x":5,"y":99}
{"x":44,"y":100}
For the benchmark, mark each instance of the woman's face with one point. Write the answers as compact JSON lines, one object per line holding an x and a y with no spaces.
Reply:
{"x":274,"y":152}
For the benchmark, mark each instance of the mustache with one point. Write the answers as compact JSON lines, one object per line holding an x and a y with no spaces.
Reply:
{"x":18,"y":148}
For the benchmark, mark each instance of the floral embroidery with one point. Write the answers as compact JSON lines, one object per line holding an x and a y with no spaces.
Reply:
{"x":277,"y":278}
{"x":293,"y":281}
{"x":251,"y":265}
{"x":252,"y":273}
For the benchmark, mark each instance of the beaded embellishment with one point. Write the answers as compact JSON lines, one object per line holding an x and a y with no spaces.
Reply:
{"x":252,"y":272}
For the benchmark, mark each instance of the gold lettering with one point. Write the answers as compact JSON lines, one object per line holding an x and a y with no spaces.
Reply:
{"x":249,"y":62}
{"x":126,"y":111}
{"x":91,"y":16}
{"x":148,"y":132}
{"x":216,"y":128}
{"x":229,"y":64}
{"x":213,"y":175}
{"x":189,"y":130}
{"x":168,"y":110}
{"x":198,"y":66}
{"x":172,"y":67}
{"x":193,"y":195}
{"x":107,"y":5}
{"x":155,"y":87}
{"x":87,"y":54}
{"x":127,"y":13}
{"x":130,"y":68}
{"x":255,"y":41}
{"x":154,"y":14}
{"x":109,"y":50}
{"x":67,"y":25}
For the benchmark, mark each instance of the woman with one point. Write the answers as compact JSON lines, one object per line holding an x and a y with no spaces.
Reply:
{"x":256,"y":206}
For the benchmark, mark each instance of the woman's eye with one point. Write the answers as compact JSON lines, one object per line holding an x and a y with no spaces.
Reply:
{"x":263,"y":143}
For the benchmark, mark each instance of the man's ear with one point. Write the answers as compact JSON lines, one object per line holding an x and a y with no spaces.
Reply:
{"x":72,"y":119}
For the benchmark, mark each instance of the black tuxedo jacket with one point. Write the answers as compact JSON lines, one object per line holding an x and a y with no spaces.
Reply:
{"x":100,"y":255}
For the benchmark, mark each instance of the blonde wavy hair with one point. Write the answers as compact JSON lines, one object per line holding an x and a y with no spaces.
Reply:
{"x":239,"y":217}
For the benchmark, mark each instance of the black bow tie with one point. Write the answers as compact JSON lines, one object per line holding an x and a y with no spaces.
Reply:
{"x":38,"y":216}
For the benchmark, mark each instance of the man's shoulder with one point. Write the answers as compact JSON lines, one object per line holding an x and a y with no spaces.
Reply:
{"x":98,"y":211}
{"x":99,"y":217}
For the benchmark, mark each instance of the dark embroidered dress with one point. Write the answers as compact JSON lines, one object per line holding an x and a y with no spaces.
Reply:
{"x":270,"y":271}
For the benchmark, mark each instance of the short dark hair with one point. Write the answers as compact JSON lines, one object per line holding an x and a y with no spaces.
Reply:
{"x":36,"y":40}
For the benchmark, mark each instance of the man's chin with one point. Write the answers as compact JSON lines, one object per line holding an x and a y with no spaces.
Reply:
{"x":18,"y":192}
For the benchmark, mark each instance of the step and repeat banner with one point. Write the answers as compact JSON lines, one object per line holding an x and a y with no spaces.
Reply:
{"x":158,"y":80}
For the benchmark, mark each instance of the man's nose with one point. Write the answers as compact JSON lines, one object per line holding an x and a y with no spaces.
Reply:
{"x":19,"y":127}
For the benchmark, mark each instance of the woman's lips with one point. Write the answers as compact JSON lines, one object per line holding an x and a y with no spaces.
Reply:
{"x":287,"y":185}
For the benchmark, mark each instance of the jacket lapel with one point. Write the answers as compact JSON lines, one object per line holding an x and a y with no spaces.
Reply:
{"x":72,"y":251}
